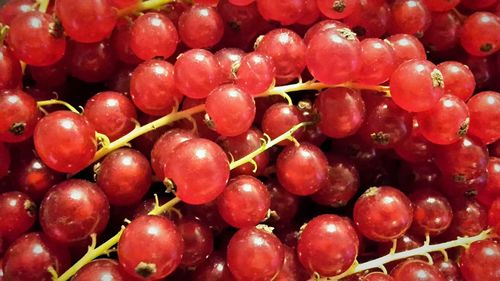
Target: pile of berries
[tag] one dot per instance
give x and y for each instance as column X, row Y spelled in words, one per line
column 250, row 140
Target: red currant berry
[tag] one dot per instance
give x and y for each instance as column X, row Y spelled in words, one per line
column 244, row 202
column 150, row 248
column 328, row 245
column 73, row 210
column 266, row 258
column 18, row 117
column 65, row 141
column 383, row 213
column 162, row 44
column 199, row 169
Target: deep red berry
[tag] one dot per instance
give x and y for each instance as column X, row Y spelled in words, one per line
column 35, row 38
column 328, row 245
column 383, row 213
column 153, row 35
column 150, row 248
column 73, row 210
column 265, row 261
column 302, row 170
column 244, row 202
column 111, row 113
column 19, row 213
column 86, row 21
column 18, row 117
column 65, row 141
column 199, row 169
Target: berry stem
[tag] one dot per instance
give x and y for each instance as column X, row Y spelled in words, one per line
column 93, row 252
column 421, row 251
column 144, row 6
column 43, row 5
column 54, row 101
column 266, row 145
column 163, row 121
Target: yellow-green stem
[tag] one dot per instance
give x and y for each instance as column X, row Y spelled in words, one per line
column 43, row 5
column 266, row 145
column 163, row 121
column 420, row 251
column 54, row 101
column 144, row 6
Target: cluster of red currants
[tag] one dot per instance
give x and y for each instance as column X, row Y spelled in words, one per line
column 297, row 139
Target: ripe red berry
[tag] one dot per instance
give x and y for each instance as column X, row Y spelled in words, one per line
column 151, row 247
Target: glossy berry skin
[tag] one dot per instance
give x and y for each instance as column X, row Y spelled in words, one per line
column 228, row 58
column 481, row 261
column 153, row 35
column 197, row 73
column 124, row 176
column 91, row 62
column 465, row 159
column 416, row 85
column 198, row 241
column 287, row 50
column 13, row 8
column 286, row 12
column 494, row 216
column 231, row 109
column 153, row 87
column 377, row 61
column 254, row 255
column 328, row 245
column 386, row 124
column 111, row 113
column 18, row 213
column 30, row 256
column 485, row 116
column 302, row 170
column 292, row 270
column 432, row 212
column 416, row 270
column 341, row 112
column 447, row 122
column 479, row 36
column 150, row 248
column 100, row 270
column 256, row 73
column 86, row 21
column 10, row 70
column 321, row 26
column 201, row 26
column 32, row 40
column 458, row 79
column 279, row 118
column 334, row 49
column 244, row 202
column 200, row 170
column 4, row 160
column 383, row 213
column 342, row 185
column 443, row 33
column 164, row 147
column 18, row 117
column 213, row 269
column 338, row 9
column 242, row 145
column 65, row 141
column 469, row 218
column 121, row 43
column 32, row 177
column 73, row 210
column 410, row 17
column 370, row 20
column 415, row 148
column 406, row 47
